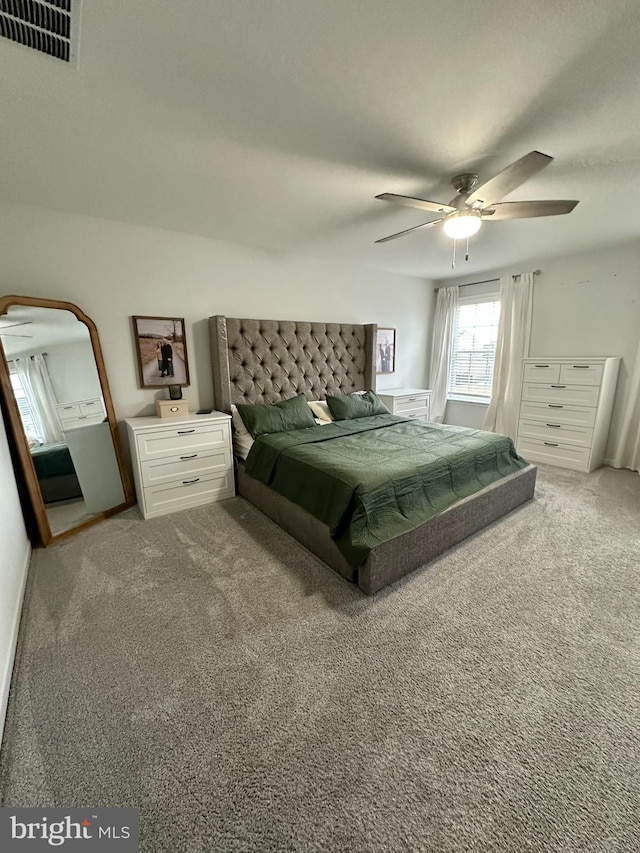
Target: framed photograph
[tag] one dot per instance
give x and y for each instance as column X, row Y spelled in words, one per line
column 386, row 351
column 161, row 348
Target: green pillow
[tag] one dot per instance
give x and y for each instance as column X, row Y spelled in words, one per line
column 348, row 406
column 264, row 418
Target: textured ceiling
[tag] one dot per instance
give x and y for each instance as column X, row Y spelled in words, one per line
column 274, row 124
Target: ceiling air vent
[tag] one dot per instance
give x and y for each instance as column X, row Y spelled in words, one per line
column 48, row 26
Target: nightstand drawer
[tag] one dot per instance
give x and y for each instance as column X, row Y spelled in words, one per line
column 185, row 467
column 407, row 404
column 182, row 440
column 194, row 491
column 422, row 415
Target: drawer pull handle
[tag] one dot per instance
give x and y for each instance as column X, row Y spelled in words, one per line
column 66, row 408
column 541, row 365
column 556, row 406
column 558, row 386
column 185, row 431
column 412, row 399
column 550, row 444
column 194, row 455
column 190, row 482
column 582, row 366
column 555, row 426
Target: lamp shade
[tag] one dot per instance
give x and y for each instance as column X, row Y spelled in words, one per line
column 463, row 224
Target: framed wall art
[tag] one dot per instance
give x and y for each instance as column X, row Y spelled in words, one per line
column 161, row 348
column 386, row 351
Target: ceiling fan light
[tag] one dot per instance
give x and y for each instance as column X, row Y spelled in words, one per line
column 462, row 225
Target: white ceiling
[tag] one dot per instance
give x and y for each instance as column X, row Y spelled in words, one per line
column 274, row 123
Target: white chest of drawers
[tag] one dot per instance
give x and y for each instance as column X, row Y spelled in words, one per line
column 179, row 463
column 565, row 410
column 407, row 402
column 81, row 413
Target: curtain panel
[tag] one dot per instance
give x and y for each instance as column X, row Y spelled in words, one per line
column 446, row 307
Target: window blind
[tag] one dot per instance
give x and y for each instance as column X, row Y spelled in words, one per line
column 473, row 349
column 26, row 414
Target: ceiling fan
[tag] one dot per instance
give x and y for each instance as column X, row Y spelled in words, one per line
column 464, row 214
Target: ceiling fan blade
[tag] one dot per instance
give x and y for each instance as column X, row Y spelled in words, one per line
column 527, row 209
column 11, row 325
column 508, row 179
column 409, row 230
column 419, row 203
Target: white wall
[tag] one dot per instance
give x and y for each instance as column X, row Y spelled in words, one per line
column 113, row 271
column 14, row 559
column 587, row 304
column 73, row 371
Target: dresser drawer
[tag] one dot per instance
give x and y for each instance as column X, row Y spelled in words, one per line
column 543, row 371
column 556, row 433
column 581, row 373
column 157, row 471
column 182, row 440
column 69, row 412
column 580, row 416
column 565, row 455
column 579, row 395
column 417, row 416
column 91, row 408
column 196, row 491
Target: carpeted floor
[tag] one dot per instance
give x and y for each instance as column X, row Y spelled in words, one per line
column 206, row 669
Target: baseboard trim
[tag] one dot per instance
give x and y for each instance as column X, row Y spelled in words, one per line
column 5, row 676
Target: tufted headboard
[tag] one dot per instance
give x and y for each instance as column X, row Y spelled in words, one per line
column 265, row 361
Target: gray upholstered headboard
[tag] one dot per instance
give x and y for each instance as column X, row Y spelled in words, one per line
column 265, row 361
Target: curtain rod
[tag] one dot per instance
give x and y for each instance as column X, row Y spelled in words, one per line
column 10, row 360
column 487, row 280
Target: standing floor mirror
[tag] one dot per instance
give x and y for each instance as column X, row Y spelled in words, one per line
column 58, row 408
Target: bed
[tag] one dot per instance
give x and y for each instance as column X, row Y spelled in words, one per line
column 55, row 472
column 267, row 361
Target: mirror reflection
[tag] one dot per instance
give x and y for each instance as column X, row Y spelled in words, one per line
column 57, row 389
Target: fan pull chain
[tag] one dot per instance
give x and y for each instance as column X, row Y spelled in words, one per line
column 453, row 259
column 466, row 256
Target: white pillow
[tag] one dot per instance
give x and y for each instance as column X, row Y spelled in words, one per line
column 320, row 410
column 238, row 424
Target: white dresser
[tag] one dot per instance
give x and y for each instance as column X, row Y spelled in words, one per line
column 80, row 413
column 565, row 410
column 180, row 463
column 408, row 402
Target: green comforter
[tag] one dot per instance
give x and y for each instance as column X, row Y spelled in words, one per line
column 372, row 479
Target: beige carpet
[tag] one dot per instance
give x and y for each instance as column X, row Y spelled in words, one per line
column 206, row 669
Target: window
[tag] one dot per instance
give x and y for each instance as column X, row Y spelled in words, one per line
column 475, row 333
column 29, row 421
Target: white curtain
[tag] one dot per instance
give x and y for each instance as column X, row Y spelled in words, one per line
column 628, row 452
column 514, row 332
column 446, row 306
column 38, row 390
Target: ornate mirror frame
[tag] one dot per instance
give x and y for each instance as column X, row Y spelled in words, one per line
column 21, row 446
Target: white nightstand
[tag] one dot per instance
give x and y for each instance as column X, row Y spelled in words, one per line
column 408, row 402
column 180, row 463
